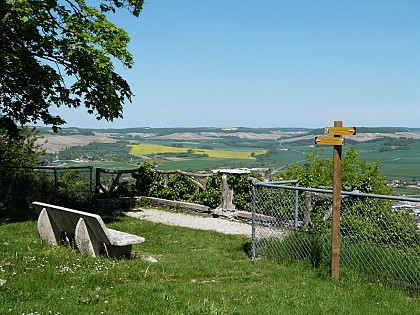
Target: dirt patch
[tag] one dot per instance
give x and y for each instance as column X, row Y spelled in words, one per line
column 186, row 136
column 56, row 143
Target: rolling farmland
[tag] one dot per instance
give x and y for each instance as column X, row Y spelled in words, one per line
column 195, row 149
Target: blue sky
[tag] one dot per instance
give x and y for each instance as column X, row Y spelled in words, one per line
column 267, row 63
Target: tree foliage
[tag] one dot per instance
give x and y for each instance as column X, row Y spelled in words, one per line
column 24, row 150
column 60, row 53
column 317, row 171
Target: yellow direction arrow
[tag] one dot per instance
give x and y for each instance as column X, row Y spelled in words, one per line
column 329, row 140
column 341, row 131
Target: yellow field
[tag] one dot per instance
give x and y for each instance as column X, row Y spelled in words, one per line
column 146, row 149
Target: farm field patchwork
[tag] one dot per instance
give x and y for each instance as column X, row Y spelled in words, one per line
column 186, row 149
column 147, row 149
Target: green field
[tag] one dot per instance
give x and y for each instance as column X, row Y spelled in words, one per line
column 203, row 164
column 104, row 164
column 407, row 191
column 152, row 149
column 196, row 272
column 398, row 164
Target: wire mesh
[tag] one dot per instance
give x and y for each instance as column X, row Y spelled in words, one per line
column 379, row 235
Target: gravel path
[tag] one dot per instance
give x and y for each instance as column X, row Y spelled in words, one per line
column 192, row 221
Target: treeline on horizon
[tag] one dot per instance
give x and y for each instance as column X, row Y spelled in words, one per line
column 167, row 131
column 371, row 130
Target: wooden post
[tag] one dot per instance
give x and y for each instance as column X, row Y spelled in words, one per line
column 98, row 181
column 335, row 256
column 307, row 213
column 55, row 186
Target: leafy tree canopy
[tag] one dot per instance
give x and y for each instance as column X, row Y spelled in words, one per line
column 60, row 53
column 317, row 171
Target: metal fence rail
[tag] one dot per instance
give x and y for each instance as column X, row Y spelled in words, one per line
column 57, row 185
column 380, row 235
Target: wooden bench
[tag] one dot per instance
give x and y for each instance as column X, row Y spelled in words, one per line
column 58, row 225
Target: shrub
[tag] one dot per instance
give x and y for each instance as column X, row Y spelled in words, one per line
column 74, row 191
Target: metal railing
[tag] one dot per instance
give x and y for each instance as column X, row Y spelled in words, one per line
column 379, row 235
column 55, row 185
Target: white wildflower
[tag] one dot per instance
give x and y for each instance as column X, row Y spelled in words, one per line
column 150, row 259
column 65, row 269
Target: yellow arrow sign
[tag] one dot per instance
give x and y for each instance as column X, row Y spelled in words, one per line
column 341, row 131
column 329, row 140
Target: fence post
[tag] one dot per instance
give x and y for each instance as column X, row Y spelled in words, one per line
column 254, row 222
column 296, row 206
column 90, row 181
column 55, row 186
column 98, row 181
column 335, row 252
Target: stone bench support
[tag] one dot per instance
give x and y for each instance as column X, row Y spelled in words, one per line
column 58, row 225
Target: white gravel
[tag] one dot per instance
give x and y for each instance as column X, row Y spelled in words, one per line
column 192, row 221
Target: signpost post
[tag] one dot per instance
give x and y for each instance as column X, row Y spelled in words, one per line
column 335, row 254
column 337, row 140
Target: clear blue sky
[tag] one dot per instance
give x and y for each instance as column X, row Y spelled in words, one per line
column 271, row 63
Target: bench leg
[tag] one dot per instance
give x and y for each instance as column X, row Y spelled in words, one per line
column 47, row 229
column 86, row 241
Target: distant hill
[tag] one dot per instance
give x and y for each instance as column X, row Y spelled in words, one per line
column 370, row 130
column 168, row 131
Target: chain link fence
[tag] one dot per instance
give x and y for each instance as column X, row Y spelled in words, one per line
column 379, row 235
column 70, row 186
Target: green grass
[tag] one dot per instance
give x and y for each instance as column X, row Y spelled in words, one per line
column 198, row 272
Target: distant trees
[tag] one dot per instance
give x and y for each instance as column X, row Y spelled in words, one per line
column 317, row 170
column 117, row 152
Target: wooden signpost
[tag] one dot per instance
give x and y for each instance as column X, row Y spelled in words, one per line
column 329, row 140
column 340, row 131
column 337, row 140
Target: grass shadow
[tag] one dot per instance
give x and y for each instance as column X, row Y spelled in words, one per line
column 247, row 248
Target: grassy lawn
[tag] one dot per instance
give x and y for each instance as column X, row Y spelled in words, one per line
column 197, row 272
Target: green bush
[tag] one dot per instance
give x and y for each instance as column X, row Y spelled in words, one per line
column 212, row 196
column 178, row 187
column 74, row 191
column 22, row 186
column 144, row 179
